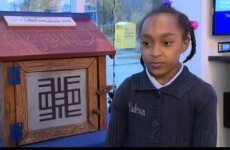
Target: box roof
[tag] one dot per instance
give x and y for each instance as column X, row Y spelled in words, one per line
column 33, row 43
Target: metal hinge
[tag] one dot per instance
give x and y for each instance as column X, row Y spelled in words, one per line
column 16, row 133
column 14, row 76
column 104, row 90
column 96, row 111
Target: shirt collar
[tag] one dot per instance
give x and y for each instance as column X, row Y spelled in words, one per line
column 177, row 88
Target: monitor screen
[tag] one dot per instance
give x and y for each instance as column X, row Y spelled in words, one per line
column 221, row 17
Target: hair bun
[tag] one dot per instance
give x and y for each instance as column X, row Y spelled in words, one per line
column 167, row 3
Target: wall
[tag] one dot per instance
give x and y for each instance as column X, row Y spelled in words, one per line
column 185, row 6
column 214, row 72
column 217, row 73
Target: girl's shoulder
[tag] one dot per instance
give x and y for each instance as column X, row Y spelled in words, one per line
column 203, row 90
column 196, row 87
column 196, row 82
column 137, row 77
column 138, row 81
column 202, row 85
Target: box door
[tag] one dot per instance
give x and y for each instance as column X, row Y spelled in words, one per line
column 57, row 98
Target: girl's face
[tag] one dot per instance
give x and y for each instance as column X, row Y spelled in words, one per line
column 161, row 46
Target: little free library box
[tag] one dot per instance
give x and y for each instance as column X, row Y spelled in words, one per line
column 52, row 76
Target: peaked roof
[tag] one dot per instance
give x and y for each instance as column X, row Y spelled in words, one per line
column 33, row 43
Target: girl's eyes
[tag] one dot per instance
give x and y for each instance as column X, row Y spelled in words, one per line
column 146, row 43
column 167, row 43
column 150, row 44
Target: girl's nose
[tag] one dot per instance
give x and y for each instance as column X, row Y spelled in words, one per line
column 155, row 50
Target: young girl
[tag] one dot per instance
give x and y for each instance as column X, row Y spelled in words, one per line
column 165, row 105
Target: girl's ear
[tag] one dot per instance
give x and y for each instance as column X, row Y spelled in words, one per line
column 185, row 45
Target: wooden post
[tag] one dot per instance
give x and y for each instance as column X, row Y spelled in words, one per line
column 102, row 99
column 9, row 104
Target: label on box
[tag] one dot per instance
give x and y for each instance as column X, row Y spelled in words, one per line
column 39, row 21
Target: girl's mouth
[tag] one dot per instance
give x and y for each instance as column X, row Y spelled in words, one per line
column 156, row 64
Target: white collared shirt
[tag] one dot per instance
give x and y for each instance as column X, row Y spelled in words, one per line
column 157, row 84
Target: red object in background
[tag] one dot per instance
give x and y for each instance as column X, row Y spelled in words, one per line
column 36, row 43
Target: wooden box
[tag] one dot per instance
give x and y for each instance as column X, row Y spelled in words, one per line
column 52, row 80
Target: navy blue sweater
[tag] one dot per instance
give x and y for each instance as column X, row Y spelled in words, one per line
column 182, row 114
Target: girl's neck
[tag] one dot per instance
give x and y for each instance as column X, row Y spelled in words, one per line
column 162, row 80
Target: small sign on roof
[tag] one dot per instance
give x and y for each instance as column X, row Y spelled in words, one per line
column 39, row 21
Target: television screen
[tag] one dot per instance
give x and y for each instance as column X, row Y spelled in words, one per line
column 221, row 17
